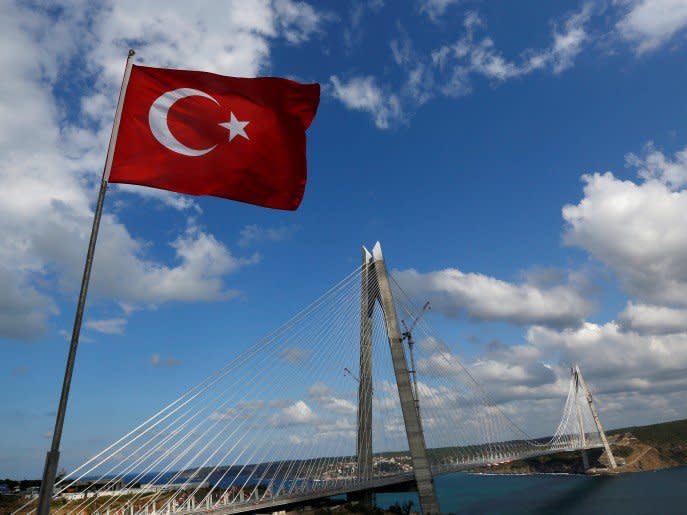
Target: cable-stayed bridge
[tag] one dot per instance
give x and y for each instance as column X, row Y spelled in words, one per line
column 336, row 401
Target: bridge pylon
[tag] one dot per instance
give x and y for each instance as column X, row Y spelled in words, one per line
column 375, row 274
column 364, row 441
column 582, row 384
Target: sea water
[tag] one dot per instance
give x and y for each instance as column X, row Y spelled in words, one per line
column 659, row 492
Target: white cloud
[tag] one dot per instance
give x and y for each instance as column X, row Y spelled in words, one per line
column 568, row 43
column 298, row 20
column 655, row 165
column 636, row 230
column 319, row 390
column 434, row 9
column 254, row 233
column 648, row 24
column 363, row 94
column 23, row 310
column 294, row 355
column 648, row 319
column 296, row 414
column 353, row 29
column 618, row 361
column 626, row 371
column 420, row 85
column 471, row 55
column 431, row 344
column 167, row 198
column 225, row 414
column 439, row 363
column 481, row 297
column 325, row 399
column 107, row 326
column 339, row 425
column 341, row 406
column 450, row 68
column 202, row 262
column 159, row 361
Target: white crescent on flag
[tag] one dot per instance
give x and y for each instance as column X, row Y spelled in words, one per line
column 157, row 119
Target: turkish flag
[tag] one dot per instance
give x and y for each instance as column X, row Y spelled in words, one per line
column 206, row 134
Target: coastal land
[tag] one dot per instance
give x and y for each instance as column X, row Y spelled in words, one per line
column 636, row 449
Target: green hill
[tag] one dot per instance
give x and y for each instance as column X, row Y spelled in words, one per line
column 664, row 433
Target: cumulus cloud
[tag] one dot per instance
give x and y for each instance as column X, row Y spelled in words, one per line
column 439, row 363
column 455, row 293
column 635, row 228
column 341, row 406
column 618, row 361
column 319, row 390
column 528, row 381
column 326, row 400
column 649, row 24
column 201, row 263
column 326, row 433
column 295, row 414
column 363, row 94
column 648, row 319
column 655, row 165
column 108, row 325
column 431, row 344
column 23, row 310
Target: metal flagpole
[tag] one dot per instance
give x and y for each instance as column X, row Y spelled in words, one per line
column 53, row 456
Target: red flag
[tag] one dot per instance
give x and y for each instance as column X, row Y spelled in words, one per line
column 206, row 134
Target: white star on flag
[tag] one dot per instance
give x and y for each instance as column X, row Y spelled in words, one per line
column 235, row 127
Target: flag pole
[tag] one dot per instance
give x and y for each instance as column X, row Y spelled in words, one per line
column 53, row 456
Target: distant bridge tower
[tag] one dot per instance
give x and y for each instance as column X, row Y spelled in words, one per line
column 582, row 385
column 375, row 274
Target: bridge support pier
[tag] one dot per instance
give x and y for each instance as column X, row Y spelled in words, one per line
column 585, row 460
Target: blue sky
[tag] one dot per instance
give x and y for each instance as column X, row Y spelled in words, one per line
column 522, row 163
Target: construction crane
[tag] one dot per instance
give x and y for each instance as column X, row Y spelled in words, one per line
column 407, row 335
column 348, row 372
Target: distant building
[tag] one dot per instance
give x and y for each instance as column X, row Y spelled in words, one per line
column 152, row 487
column 31, row 492
column 89, row 486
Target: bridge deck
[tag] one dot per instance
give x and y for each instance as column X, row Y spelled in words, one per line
column 348, row 486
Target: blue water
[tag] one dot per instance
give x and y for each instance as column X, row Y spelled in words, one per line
column 660, row 492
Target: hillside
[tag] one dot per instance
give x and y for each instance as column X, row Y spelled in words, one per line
column 636, row 449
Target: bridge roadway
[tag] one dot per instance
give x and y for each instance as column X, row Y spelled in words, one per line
column 346, row 486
